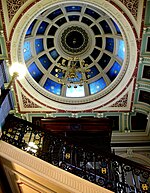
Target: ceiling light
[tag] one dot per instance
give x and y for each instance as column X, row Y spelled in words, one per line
column 72, row 72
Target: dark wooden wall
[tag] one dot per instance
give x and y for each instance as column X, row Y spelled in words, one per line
column 94, row 132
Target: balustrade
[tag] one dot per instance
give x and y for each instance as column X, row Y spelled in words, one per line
column 105, row 169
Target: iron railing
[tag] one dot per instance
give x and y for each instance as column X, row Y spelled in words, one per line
column 105, row 169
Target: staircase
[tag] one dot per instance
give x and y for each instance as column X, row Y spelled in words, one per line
column 100, row 167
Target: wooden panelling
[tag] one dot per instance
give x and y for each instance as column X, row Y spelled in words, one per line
column 82, row 131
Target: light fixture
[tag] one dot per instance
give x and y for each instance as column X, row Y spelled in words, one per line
column 13, row 78
column 6, row 91
column 72, row 72
column 18, row 68
column 18, row 71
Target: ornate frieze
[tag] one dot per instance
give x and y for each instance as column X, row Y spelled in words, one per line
column 132, row 6
column 122, row 102
column 27, row 103
column 13, row 6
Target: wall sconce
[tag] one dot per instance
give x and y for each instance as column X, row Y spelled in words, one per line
column 16, row 71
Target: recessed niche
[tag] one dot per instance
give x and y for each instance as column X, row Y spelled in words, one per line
column 138, row 122
column 148, row 45
column 144, row 96
column 146, row 72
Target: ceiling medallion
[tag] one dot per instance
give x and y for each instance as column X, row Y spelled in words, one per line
column 74, row 40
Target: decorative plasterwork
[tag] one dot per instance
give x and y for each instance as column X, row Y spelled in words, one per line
column 121, row 102
column 27, row 103
column 132, row 6
column 87, row 103
column 13, row 10
column 134, row 11
column 61, row 39
column 13, row 6
column 49, row 173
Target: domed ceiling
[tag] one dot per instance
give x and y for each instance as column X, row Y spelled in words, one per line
column 75, row 54
column 77, row 31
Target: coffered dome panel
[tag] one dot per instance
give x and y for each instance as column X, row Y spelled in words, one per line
column 74, row 30
column 93, row 35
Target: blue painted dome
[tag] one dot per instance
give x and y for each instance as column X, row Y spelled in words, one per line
column 81, row 31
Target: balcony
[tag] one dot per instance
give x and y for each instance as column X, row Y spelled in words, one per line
column 67, row 155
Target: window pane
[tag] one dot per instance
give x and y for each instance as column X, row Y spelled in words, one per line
column 75, row 92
